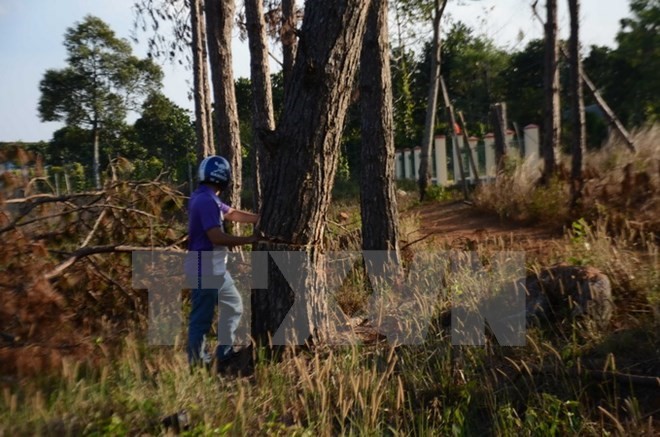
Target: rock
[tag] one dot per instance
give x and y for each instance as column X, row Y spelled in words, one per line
column 177, row 422
column 583, row 291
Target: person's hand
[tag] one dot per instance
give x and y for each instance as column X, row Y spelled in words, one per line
column 258, row 236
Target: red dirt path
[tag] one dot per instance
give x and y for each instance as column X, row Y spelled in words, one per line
column 461, row 226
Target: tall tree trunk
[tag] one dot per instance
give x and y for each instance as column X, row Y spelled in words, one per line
column 289, row 38
column 219, row 23
column 451, row 133
column 96, row 161
column 404, row 109
column 552, row 114
column 578, row 143
column 499, row 120
column 262, row 99
column 377, row 194
column 432, row 103
column 305, row 151
column 201, row 83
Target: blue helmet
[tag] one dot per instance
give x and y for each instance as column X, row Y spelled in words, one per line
column 215, row 169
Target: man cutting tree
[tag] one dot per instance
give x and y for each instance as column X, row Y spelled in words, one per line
column 206, row 263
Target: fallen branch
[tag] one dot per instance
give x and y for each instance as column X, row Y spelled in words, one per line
column 15, row 223
column 97, row 270
column 93, row 250
column 39, row 199
column 597, row 374
column 91, row 233
column 407, row 245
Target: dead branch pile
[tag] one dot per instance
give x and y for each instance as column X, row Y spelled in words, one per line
column 65, row 266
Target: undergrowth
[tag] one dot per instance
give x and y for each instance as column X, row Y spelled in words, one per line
column 95, row 374
column 619, row 185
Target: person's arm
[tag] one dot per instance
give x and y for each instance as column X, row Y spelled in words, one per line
column 219, row 238
column 236, row 215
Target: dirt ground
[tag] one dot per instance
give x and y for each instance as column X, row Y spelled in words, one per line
column 458, row 225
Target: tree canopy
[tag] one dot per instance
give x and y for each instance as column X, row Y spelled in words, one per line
column 628, row 74
column 101, row 83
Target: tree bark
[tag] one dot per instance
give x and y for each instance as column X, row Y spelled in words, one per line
column 377, row 194
column 262, row 98
column 305, row 151
column 499, row 120
column 219, row 22
column 288, row 38
column 96, row 161
column 405, row 120
column 579, row 132
column 602, row 104
column 451, row 133
column 552, row 114
column 466, row 140
column 432, row 103
column 201, row 84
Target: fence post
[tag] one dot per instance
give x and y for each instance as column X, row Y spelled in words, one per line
column 441, row 160
column 57, row 183
column 407, row 164
column 466, row 141
column 491, row 164
column 417, row 153
column 398, row 167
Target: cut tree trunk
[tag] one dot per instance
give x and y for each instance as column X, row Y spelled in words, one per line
column 305, row 151
column 377, row 193
column 219, row 23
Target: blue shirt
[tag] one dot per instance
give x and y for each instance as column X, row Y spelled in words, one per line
column 205, row 211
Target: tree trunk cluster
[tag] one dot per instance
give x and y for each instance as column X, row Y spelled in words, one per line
column 295, row 162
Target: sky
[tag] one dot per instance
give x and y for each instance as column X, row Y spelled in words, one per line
column 32, row 35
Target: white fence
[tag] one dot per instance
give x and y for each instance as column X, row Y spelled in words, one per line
column 445, row 160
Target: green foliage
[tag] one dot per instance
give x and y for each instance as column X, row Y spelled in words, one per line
column 343, row 170
column 70, row 144
column 474, row 69
column 524, row 83
column 578, row 236
column 550, row 416
column 76, row 173
column 437, row 193
column 102, row 79
column 406, row 132
column 628, row 75
column 245, row 104
column 165, row 131
column 100, row 84
column 148, row 169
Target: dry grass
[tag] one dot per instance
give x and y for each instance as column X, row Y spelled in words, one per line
column 619, row 185
column 563, row 381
